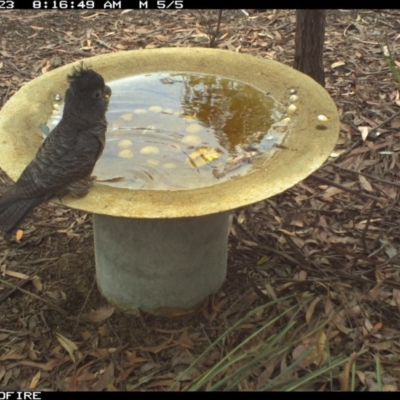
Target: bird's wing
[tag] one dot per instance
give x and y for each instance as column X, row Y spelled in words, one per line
column 64, row 157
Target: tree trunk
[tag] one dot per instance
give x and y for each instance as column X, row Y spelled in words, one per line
column 309, row 43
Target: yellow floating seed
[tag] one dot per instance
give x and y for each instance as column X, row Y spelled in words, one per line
column 191, row 139
column 125, row 143
column 152, row 161
column 150, row 150
column 127, row 117
column 189, row 118
column 291, row 109
column 322, row 118
column 285, row 121
column 168, row 110
column 293, row 98
column 193, row 128
column 140, row 111
column 169, row 165
column 125, row 153
column 155, row 108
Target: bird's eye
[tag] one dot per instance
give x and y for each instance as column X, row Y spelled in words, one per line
column 97, row 94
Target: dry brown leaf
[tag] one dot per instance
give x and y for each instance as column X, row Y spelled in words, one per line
column 7, row 377
column 133, row 358
column 182, row 357
column 184, row 341
column 124, row 375
column 87, row 377
column 99, row 315
column 173, row 312
column 311, row 308
column 329, row 308
column 106, row 378
column 318, row 355
column 390, row 388
column 68, row 345
column 330, row 192
column 16, row 274
column 338, row 64
column 386, row 345
column 368, row 325
column 31, row 352
column 104, row 330
column 378, row 326
column 92, row 16
column 287, row 232
column 11, row 355
column 75, row 377
column 344, row 377
column 321, row 354
column 301, row 275
column 2, row 371
column 212, row 357
column 45, row 367
column 379, row 276
column 365, row 183
column 157, row 349
column 163, row 38
column 364, row 132
column 250, row 243
column 241, row 217
column 298, row 351
column 165, row 382
column 37, row 283
column 35, row 380
column 343, row 328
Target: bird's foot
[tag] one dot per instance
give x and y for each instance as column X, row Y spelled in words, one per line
column 80, row 188
column 92, row 180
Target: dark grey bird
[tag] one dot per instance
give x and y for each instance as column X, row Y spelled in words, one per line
column 66, row 158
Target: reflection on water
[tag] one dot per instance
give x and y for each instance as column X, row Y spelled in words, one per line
column 174, row 131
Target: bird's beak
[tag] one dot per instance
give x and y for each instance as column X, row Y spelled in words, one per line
column 107, row 93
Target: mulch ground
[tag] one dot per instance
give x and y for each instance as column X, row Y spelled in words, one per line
column 332, row 240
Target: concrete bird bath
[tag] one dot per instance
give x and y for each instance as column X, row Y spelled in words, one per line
column 162, row 249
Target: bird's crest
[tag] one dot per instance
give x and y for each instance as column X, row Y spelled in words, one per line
column 78, row 72
column 83, row 78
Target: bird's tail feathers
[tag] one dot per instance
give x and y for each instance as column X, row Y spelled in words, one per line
column 13, row 212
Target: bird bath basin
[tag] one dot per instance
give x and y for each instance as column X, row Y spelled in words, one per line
column 162, row 248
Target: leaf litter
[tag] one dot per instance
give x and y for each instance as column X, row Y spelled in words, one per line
column 331, row 242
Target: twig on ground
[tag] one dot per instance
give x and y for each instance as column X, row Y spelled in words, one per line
column 346, row 189
column 369, row 176
column 364, row 234
column 375, row 128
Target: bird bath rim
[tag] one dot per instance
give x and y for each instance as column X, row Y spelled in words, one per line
column 308, row 142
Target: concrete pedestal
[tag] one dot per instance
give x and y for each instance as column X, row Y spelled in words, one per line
column 154, row 264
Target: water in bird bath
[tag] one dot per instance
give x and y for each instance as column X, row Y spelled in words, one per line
column 175, row 131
